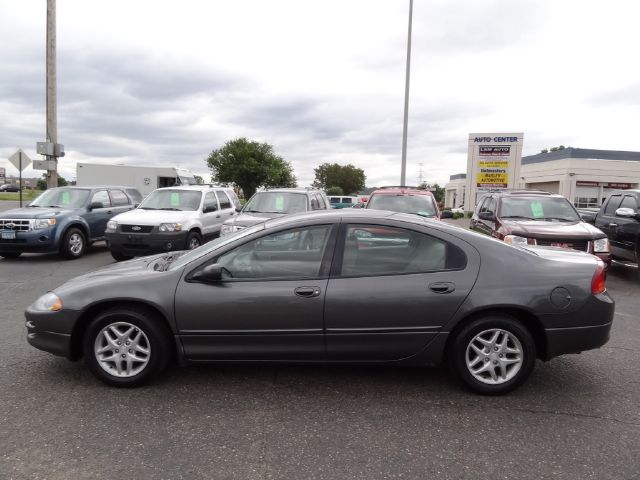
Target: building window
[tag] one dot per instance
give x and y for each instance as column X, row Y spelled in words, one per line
column 586, row 202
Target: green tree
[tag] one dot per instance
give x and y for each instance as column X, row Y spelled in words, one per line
column 335, row 191
column 249, row 165
column 42, row 183
column 554, row 149
column 347, row 177
column 438, row 192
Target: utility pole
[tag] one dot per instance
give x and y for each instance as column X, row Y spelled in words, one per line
column 403, row 169
column 420, row 177
column 52, row 115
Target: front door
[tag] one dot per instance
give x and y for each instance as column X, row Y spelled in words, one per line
column 269, row 304
column 392, row 291
column 98, row 217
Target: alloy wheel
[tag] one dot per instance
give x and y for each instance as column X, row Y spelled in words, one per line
column 494, row 356
column 122, row 349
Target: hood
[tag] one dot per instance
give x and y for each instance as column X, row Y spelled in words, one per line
column 551, row 229
column 35, row 212
column 253, row 218
column 139, row 216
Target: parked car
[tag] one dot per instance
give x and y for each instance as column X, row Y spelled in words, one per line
column 619, row 219
column 405, row 200
column 341, row 286
column 342, row 201
column 532, row 217
column 9, row 187
column 173, row 218
column 275, row 203
column 65, row 220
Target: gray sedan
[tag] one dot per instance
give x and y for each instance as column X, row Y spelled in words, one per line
column 347, row 286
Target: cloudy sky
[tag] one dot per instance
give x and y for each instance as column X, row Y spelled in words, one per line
column 165, row 82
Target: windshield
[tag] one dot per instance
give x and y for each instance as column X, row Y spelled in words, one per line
column 62, row 197
column 179, row 200
column 277, row 202
column 538, row 208
column 418, row 204
column 212, row 245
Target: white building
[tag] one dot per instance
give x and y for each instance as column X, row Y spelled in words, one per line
column 584, row 176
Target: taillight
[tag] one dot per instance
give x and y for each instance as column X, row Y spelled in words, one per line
column 598, row 282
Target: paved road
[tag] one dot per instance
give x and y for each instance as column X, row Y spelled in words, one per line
column 578, row 417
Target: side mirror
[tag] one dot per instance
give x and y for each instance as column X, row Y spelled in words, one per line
column 135, row 205
column 238, row 209
column 95, row 205
column 209, row 274
column 210, row 208
column 446, row 214
column 626, row 213
column 489, row 216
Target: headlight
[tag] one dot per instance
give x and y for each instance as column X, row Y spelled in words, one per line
column 112, row 226
column 601, row 245
column 227, row 229
column 518, row 241
column 40, row 223
column 49, row 302
column 170, row 227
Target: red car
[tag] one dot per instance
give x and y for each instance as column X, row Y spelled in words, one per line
column 405, row 200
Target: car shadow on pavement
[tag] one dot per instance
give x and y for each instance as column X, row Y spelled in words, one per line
column 98, row 248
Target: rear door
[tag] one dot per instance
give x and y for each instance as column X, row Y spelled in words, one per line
column 120, row 202
column 227, row 208
column 392, row 288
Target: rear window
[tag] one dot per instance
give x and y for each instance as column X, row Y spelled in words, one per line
column 118, row 198
column 418, row 204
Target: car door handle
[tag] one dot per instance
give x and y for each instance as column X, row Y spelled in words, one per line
column 442, row 287
column 613, row 225
column 218, row 216
column 307, row 292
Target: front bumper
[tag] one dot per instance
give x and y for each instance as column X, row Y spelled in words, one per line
column 51, row 331
column 35, row 241
column 136, row 244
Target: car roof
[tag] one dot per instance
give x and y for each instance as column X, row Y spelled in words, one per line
column 401, row 190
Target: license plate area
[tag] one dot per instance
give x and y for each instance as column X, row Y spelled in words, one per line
column 8, row 235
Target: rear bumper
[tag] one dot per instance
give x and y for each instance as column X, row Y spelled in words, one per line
column 576, row 339
column 136, row 244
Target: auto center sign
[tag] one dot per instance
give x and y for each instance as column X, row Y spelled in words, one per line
column 493, row 163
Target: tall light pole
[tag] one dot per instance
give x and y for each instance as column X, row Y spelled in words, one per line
column 403, row 169
column 52, row 116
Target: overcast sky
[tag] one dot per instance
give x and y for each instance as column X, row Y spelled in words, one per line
column 165, row 82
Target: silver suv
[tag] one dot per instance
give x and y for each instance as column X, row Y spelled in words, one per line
column 172, row 218
column 273, row 203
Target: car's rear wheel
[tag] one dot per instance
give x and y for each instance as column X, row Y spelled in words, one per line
column 120, row 257
column 74, row 244
column 493, row 355
column 194, row 240
column 127, row 347
column 10, row 254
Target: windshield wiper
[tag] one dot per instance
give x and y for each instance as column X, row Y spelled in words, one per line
column 562, row 219
column 423, row 214
column 170, row 208
column 520, row 216
column 147, row 208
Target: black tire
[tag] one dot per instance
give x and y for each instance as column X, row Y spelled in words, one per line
column 486, row 327
column 10, row 254
column 192, row 239
column 74, row 244
column 119, row 256
column 157, row 338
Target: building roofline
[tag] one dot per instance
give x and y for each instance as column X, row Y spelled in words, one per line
column 584, row 153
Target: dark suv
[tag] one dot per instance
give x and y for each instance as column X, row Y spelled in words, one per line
column 619, row 218
column 65, row 220
column 531, row 217
column 274, row 203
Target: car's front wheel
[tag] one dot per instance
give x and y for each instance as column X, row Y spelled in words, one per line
column 194, row 240
column 127, row 347
column 73, row 244
column 493, row 355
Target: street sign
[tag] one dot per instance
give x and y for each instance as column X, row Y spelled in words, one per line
column 44, row 165
column 20, row 160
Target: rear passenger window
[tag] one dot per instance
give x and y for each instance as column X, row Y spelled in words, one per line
column 223, row 199
column 612, row 205
column 372, row 250
column 118, row 198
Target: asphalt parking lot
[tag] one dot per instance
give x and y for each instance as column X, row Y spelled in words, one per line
column 578, row 416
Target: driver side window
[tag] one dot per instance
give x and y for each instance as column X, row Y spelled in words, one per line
column 102, row 197
column 292, row 254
